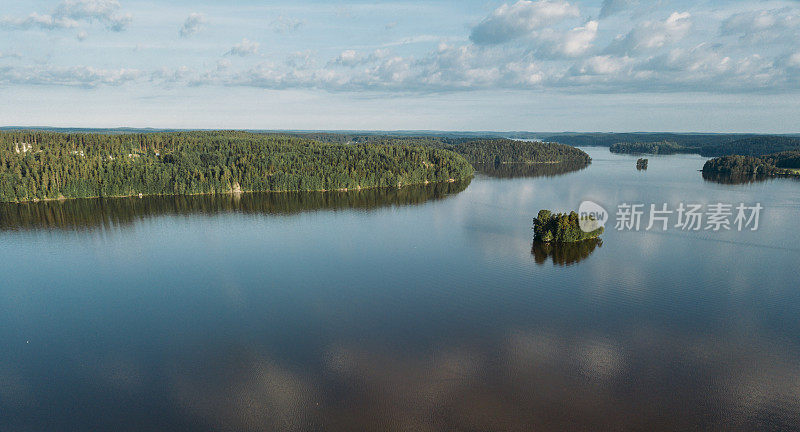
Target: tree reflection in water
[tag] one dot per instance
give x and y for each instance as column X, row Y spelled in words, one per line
column 564, row 254
column 734, row 179
column 515, row 170
column 107, row 212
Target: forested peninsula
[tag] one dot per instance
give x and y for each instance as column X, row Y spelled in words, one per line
column 505, row 151
column 38, row 165
column 783, row 163
column 478, row 151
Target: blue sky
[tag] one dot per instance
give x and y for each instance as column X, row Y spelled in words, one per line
column 544, row 65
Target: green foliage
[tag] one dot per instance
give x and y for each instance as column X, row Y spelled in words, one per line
column 753, row 146
column 46, row 165
column 740, row 165
column 787, row 159
column 500, row 151
column 478, row 151
column 660, row 147
column 561, row 228
column 641, row 164
column 742, row 169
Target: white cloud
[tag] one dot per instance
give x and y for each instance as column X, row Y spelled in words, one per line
column 417, row 39
column 223, row 65
column 764, row 25
column 611, row 7
column 88, row 9
column 69, row 14
column 172, row 76
column 509, row 22
column 602, row 65
column 5, row 54
column 244, row 48
column 78, row 76
column 302, row 60
column 703, row 68
column 352, row 58
column 700, row 60
column 34, row 20
column 573, row 43
column 348, row 58
column 448, row 68
column 193, row 24
column 105, row 11
column 523, row 75
column 549, row 48
column 650, row 35
column 794, row 60
column 284, row 24
column 120, row 23
column 469, row 67
column 579, row 39
column 537, row 24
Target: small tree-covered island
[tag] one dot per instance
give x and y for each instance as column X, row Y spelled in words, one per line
column 549, row 227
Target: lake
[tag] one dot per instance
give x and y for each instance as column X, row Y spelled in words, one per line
column 418, row 309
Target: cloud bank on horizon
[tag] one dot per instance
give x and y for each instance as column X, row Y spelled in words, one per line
column 405, row 48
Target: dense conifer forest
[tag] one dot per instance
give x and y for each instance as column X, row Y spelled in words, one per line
column 38, row 165
column 45, row 165
column 738, row 165
column 783, row 163
column 659, row 147
column 787, row 159
column 502, row 151
column 753, row 146
column 478, row 151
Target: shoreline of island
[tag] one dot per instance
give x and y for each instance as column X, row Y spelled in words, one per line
column 239, row 192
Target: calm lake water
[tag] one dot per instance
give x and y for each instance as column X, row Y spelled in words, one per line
column 420, row 309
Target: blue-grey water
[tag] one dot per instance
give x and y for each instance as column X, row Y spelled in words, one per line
column 421, row 310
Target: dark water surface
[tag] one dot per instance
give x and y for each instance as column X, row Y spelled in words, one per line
column 420, row 309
